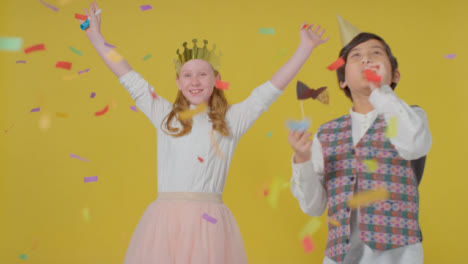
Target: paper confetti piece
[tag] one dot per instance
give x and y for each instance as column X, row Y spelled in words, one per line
column 58, row 114
column 302, row 125
column 450, row 56
column 83, row 71
column 307, row 244
column 109, row 45
column 103, row 111
column 371, row 76
column 6, row 130
column 20, row 61
column 86, row 214
column 336, row 64
column 269, row 134
column 44, row 122
column 114, row 56
column 311, row 227
column 367, row 197
column 334, row 222
column 146, row 7
column 275, row 190
column 34, row 48
column 23, row 256
column 215, row 145
column 187, row 114
column 64, row 65
column 93, row 94
column 35, row 110
column 266, row 31
column 49, row 6
column 283, row 52
column 153, row 94
column 392, row 127
column 70, row 77
column 134, row 108
column 10, row 43
column 371, row 164
column 35, row 243
column 81, row 17
column 265, row 192
column 304, row 26
column 76, row 51
column 78, row 157
column 222, row 85
column 113, row 104
column 147, row 57
column 200, row 159
column 209, row 218
column 90, row 179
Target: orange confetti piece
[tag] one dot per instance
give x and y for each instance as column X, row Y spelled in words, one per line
column 214, row 144
column 200, row 159
column 153, row 94
column 308, row 245
column 64, row 65
column 371, row 76
column 334, row 222
column 187, row 114
column 222, row 85
column 103, row 111
column 304, row 26
column 337, row 64
column 368, row 197
column 34, row 48
column 81, row 17
column 58, row 114
column 114, row 56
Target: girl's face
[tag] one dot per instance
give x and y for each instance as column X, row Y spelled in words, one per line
column 196, row 81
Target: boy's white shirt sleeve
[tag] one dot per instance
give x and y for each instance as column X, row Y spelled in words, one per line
column 308, row 182
column 413, row 138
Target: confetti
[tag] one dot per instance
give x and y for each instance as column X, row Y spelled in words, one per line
column 266, row 31
column 147, row 57
column 76, row 51
column 214, row 144
column 307, row 244
column 146, row 7
column 81, row 17
column 113, row 104
column 371, row 164
column 86, row 214
column 114, row 56
column 58, row 114
column 269, row 134
column 334, row 222
column 20, row 61
column 371, row 76
column 134, row 108
column 6, row 130
column 10, row 43
column 187, row 114
column 337, row 64
column 34, row 48
column 78, row 157
column 64, row 65
column 222, row 85
column 367, row 197
column 49, row 6
column 302, row 125
column 83, row 71
column 304, row 26
column 311, row 227
column 90, row 179
column 283, row 52
column 69, row 77
column 110, row 45
column 103, row 111
column 450, row 56
column 209, row 218
column 200, row 159
column 44, row 122
column 392, row 127
column 93, row 94
column 35, row 110
column 274, row 192
column 23, row 256
column 153, row 94
column 265, row 192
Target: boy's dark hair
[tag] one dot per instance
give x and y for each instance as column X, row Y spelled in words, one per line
column 363, row 37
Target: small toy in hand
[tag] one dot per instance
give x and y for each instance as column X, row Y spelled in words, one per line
column 85, row 25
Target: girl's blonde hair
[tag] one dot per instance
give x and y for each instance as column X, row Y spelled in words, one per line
column 218, row 108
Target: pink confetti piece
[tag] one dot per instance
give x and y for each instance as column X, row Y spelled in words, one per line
column 154, row 95
column 35, row 109
column 49, row 6
column 78, row 157
column 83, row 71
column 90, row 179
column 145, row 7
column 109, row 45
column 209, row 218
column 93, row 94
column 20, row 61
column 450, row 56
column 200, row 159
column 307, row 244
column 134, row 108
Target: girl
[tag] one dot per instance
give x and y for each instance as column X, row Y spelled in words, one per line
column 188, row 222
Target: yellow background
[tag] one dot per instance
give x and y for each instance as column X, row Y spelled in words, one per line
column 42, row 192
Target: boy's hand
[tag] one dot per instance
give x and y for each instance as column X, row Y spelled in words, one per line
column 299, row 141
column 94, row 28
column 312, row 38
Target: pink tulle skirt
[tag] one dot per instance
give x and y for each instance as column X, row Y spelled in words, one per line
column 183, row 228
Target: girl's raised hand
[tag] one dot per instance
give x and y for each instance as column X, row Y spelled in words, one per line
column 299, row 141
column 312, row 38
column 94, row 28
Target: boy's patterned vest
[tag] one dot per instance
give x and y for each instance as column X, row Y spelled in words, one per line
column 383, row 225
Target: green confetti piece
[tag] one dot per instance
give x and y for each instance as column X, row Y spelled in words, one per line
column 266, row 31
column 283, row 52
column 86, row 215
column 310, row 228
column 76, row 51
column 392, row 126
column 147, row 57
column 275, row 191
column 269, row 134
column 10, row 43
column 23, row 256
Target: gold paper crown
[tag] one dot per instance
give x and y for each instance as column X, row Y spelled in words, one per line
column 197, row 53
column 347, row 30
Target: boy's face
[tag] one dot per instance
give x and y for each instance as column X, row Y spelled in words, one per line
column 370, row 54
column 196, row 81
